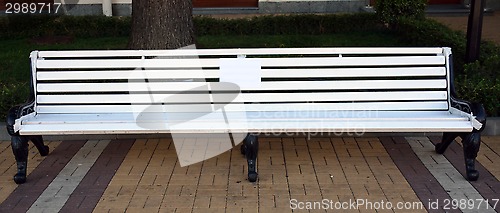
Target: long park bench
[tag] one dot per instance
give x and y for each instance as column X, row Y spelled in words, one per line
column 274, row 90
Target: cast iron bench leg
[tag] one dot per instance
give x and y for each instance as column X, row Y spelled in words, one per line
column 38, row 142
column 448, row 137
column 20, row 149
column 471, row 143
column 250, row 148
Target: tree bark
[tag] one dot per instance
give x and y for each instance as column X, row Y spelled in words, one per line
column 161, row 24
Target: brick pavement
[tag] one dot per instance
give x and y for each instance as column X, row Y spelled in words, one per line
column 491, row 25
column 144, row 175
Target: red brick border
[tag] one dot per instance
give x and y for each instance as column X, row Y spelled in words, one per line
column 421, row 180
column 21, row 199
column 89, row 191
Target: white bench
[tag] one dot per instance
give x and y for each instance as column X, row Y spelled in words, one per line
column 262, row 91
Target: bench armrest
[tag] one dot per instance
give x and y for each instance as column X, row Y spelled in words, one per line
column 28, row 107
column 17, row 112
column 476, row 109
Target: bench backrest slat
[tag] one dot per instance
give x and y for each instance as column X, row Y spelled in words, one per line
column 203, row 97
column 332, row 78
column 61, row 75
column 269, row 85
column 266, row 62
column 224, row 52
column 434, row 105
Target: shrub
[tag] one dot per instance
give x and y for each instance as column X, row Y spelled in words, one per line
column 287, row 25
column 430, row 33
column 478, row 81
column 481, row 83
column 389, row 11
column 24, row 26
column 11, row 94
column 28, row 26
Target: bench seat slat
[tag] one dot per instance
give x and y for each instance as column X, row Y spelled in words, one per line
column 271, row 85
column 251, row 97
column 257, row 51
column 383, row 121
column 257, row 127
column 265, row 62
column 266, row 73
column 394, row 106
column 269, row 116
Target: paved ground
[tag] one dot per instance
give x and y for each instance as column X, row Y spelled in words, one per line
column 491, row 25
column 143, row 175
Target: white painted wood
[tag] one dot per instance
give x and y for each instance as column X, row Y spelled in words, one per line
column 276, row 116
column 256, row 127
column 284, row 106
column 265, row 62
column 126, row 74
column 360, row 106
column 33, row 59
column 271, row 85
column 266, row 73
column 256, row 51
column 354, row 72
column 245, row 97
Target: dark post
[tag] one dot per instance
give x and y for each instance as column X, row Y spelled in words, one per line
column 474, row 29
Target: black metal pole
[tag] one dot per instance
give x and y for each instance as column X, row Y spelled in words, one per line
column 474, row 28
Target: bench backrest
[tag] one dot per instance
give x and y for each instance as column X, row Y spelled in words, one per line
column 292, row 78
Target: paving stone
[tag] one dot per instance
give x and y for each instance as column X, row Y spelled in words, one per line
column 149, row 178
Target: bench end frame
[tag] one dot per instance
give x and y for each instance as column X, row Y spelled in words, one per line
column 19, row 143
column 471, row 141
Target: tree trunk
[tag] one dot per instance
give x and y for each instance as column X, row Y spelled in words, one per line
column 161, row 24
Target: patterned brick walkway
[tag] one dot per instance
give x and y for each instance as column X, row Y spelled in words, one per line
column 143, row 175
column 491, row 25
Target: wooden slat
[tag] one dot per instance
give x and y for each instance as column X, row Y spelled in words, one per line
column 256, row 51
column 257, row 97
column 254, row 127
column 269, row 62
column 266, row 73
column 354, row 72
column 366, row 111
column 270, row 116
column 394, row 106
column 272, row 85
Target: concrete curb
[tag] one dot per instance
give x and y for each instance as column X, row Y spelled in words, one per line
column 492, row 129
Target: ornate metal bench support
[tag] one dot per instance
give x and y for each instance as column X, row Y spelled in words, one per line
column 446, row 140
column 470, row 141
column 20, row 149
column 19, row 143
column 250, row 148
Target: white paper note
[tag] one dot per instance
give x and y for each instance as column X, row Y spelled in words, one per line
column 245, row 72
